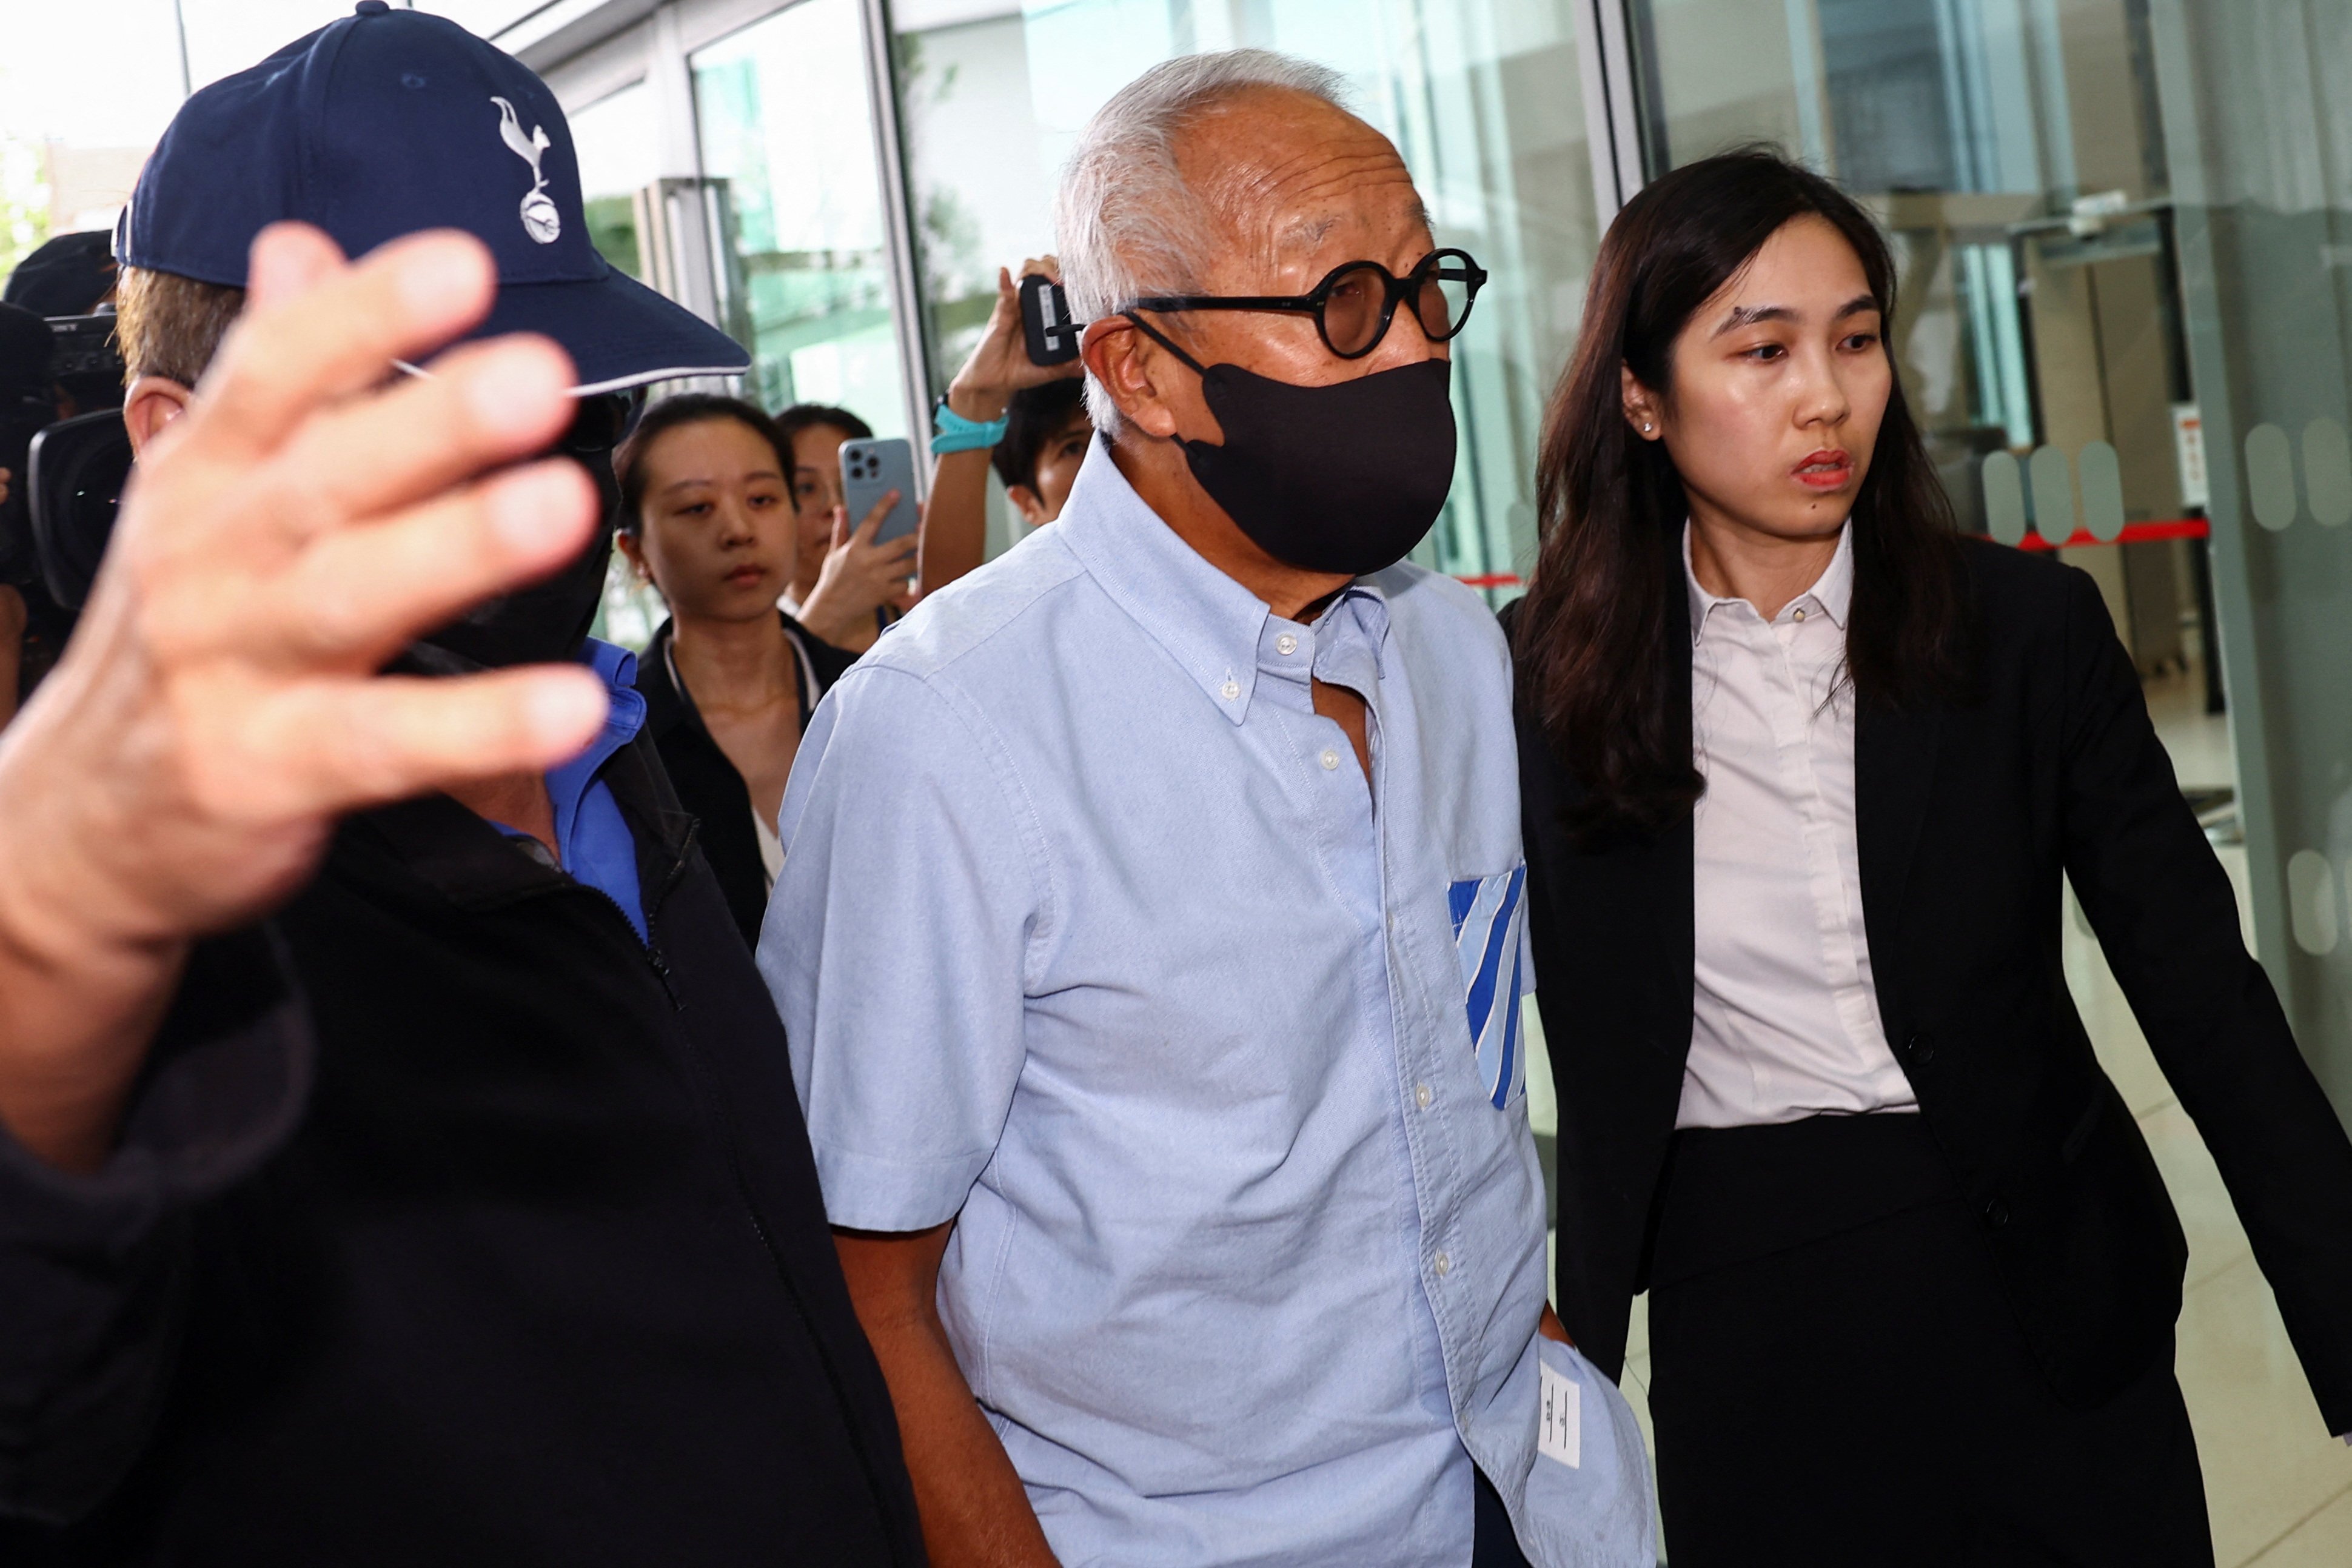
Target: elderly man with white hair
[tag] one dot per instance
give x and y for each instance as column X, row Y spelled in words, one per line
column 1148, row 935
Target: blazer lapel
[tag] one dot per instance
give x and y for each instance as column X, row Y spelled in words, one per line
column 1894, row 769
column 1679, row 845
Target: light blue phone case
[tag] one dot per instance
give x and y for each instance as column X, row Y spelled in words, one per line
column 871, row 469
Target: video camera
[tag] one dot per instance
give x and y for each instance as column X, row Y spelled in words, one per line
column 65, row 472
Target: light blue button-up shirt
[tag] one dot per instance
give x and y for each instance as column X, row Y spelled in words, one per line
column 1091, row 933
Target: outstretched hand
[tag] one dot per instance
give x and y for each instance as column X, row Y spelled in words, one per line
column 219, row 707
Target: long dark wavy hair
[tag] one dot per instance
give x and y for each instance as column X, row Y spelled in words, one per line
column 1591, row 637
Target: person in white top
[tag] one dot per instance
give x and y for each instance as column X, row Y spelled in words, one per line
column 1803, row 775
column 1784, row 1022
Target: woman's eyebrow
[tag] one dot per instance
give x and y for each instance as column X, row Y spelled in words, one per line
column 693, row 480
column 1750, row 315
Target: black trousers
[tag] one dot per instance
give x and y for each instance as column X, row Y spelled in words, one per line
column 1496, row 1545
column 1837, row 1380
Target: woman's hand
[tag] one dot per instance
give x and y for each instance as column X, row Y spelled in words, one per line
column 858, row 577
column 1000, row 366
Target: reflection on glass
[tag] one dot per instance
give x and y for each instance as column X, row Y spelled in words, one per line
column 1482, row 98
column 785, row 121
column 614, row 139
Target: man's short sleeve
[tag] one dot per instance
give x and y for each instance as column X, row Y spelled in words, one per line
column 895, row 946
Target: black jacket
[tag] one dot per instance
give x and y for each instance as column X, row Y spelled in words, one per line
column 707, row 783
column 450, row 1223
column 1966, row 817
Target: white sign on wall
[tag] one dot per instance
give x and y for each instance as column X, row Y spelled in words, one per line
column 2189, row 450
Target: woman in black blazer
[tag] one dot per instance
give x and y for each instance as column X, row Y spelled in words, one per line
column 729, row 680
column 1802, row 771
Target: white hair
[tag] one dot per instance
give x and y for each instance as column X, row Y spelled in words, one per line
column 1126, row 224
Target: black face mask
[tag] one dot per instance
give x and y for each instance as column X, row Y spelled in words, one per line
column 547, row 622
column 1344, row 479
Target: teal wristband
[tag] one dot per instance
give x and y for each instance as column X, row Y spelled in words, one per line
column 954, row 433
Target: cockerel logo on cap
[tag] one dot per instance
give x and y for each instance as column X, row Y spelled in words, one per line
column 540, row 219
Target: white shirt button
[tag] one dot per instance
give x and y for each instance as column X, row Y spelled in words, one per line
column 1232, row 691
column 1285, row 644
column 1800, row 614
column 1445, row 1264
column 1422, row 1097
column 1330, row 760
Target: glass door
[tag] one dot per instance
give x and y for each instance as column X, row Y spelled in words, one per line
column 614, row 138
column 786, row 127
column 1483, row 98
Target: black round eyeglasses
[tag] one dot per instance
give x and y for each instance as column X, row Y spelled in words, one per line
column 1356, row 301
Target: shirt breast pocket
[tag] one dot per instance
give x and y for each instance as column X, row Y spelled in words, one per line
column 1489, row 929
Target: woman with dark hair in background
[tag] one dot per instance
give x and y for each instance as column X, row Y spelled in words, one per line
column 1802, row 771
column 846, row 588
column 729, row 680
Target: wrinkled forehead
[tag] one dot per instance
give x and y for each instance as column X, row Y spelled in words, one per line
column 1301, row 186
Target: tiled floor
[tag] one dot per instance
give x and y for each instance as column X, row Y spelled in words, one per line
column 2279, row 1489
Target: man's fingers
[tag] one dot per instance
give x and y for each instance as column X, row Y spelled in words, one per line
column 338, row 332
column 358, row 595
column 483, row 403
column 332, row 746
column 285, row 260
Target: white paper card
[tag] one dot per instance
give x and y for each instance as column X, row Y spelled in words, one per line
column 1560, row 1427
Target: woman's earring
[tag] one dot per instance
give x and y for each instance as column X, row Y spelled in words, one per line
column 1645, row 427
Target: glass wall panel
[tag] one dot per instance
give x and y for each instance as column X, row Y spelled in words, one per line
column 2256, row 121
column 614, row 139
column 1483, row 98
column 785, row 122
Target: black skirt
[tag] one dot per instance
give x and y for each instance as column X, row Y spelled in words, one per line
column 1837, row 1379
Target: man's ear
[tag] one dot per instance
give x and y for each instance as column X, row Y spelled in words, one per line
column 1028, row 504
column 1124, row 360
column 153, row 402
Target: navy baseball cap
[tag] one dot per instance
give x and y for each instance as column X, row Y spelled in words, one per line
column 385, row 122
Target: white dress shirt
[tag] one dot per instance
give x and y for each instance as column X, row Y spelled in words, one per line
column 1784, row 1018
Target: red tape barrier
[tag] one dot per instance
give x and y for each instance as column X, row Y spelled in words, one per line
column 2133, row 533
